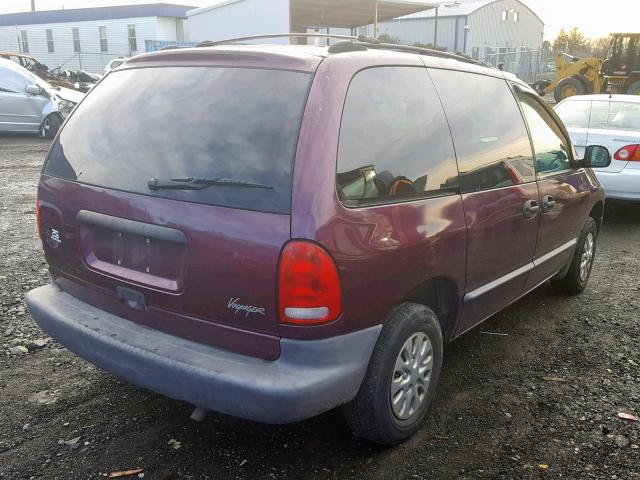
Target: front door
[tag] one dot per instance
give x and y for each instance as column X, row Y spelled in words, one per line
column 499, row 191
column 564, row 191
column 19, row 111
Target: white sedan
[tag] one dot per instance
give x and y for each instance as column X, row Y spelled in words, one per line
column 612, row 121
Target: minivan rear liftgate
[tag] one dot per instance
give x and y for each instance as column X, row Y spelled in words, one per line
column 154, row 217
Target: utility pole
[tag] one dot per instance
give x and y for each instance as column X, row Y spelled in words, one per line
column 435, row 31
column 33, row 5
column 375, row 22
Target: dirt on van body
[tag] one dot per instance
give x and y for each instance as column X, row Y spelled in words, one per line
column 533, row 393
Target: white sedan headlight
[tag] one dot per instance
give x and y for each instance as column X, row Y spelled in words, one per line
column 65, row 107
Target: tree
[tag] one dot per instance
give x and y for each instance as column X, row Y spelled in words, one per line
column 430, row 46
column 600, row 47
column 571, row 42
column 386, row 38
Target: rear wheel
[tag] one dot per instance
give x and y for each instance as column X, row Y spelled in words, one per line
column 50, row 126
column 634, row 88
column 582, row 262
column 401, row 379
column 569, row 87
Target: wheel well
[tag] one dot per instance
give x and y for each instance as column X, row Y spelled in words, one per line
column 440, row 295
column 596, row 213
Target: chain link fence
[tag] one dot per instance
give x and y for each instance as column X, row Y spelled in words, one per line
column 528, row 65
column 69, row 48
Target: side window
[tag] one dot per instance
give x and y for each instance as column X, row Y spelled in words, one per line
column 599, row 114
column 11, row 81
column 575, row 113
column 489, row 134
column 394, row 139
column 550, row 147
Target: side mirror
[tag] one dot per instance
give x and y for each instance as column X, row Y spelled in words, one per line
column 33, row 90
column 596, row 156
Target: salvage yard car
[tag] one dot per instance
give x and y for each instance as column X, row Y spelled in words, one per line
column 612, row 121
column 274, row 231
column 29, row 104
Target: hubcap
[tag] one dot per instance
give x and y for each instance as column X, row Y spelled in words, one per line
column 411, row 376
column 45, row 127
column 587, row 257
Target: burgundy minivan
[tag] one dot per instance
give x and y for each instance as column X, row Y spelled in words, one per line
column 274, row 231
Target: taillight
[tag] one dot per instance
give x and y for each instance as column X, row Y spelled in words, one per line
column 38, row 216
column 630, row 153
column 309, row 285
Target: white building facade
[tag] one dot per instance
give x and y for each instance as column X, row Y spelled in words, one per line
column 479, row 28
column 89, row 38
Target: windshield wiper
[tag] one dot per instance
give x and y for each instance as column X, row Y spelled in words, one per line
column 191, row 183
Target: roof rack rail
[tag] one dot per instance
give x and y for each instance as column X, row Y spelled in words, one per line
column 362, row 43
column 348, row 43
column 210, row 43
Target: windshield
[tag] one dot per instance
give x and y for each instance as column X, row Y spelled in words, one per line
column 15, row 77
column 188, row 122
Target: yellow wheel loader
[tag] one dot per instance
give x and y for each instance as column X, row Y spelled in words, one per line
column 618, row 73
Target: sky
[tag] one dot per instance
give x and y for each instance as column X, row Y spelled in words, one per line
column 594, row 18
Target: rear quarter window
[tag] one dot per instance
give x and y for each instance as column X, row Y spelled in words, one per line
column 394, row 139
column 170, row 123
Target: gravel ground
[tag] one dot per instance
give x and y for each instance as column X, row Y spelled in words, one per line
column 495, row 415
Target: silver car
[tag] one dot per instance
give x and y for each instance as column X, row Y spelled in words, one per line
column 612, row 121
column 29, row 104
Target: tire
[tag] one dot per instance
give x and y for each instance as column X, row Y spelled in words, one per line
column 50, row 126
column 568, row 87
column 634, row 88
column 577, row 276
column 588, row 86
column 371, row 415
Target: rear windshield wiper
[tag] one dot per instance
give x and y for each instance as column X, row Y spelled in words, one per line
column 191, row 183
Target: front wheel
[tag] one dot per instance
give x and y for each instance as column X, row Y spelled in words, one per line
column 582, row 262
column 569, row 87
column 50, row 126
column 401, row 379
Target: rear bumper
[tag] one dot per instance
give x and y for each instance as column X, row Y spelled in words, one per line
column 624, row 185
column 309, row 378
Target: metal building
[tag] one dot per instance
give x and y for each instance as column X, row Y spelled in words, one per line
column 479, row 28
column 88, row 38
column 238, row 18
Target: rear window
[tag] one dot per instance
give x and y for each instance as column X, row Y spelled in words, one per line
column 615, row 116
column 236, row 125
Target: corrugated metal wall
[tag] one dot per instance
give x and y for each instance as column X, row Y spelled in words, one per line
column 488, row 30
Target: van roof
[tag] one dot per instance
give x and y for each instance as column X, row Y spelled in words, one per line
column 297, row 57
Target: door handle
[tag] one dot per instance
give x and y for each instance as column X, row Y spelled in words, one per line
column 548, row 203
column 531, row 209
